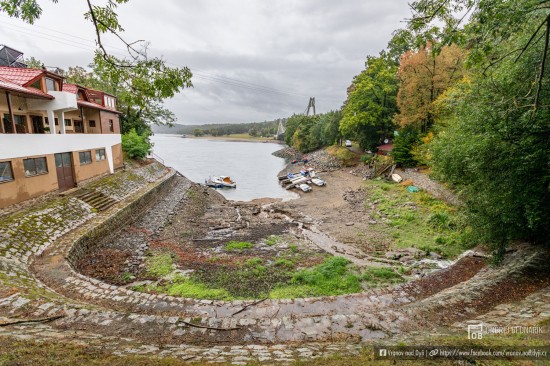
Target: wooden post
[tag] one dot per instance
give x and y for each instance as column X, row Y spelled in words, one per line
column 10, row 111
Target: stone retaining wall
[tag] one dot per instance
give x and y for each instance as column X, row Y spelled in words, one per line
column 125, row 216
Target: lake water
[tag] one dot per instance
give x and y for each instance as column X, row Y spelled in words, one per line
column 250, row 164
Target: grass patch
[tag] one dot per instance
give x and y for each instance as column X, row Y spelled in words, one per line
column 272, row 240
column 250, row 281
column 238, row 245
column 415, row 220
column 332, row 277
column 159, row 264
column 195, row 290
column 382, row 275
column 253, row 262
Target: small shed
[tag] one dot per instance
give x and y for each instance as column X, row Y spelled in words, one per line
column 385, row 149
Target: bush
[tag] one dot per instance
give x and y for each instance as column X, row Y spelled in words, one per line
column 136, row 146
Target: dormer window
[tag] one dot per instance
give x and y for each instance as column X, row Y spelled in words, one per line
column 109, row 102
column 51, row 85
column 80, row 95
column 36, row 85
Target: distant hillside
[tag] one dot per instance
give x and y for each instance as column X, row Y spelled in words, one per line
column 268, row 128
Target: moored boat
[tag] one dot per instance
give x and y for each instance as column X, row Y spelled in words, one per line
column 221, row 182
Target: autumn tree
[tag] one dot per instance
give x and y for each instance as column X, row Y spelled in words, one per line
column 423, row 76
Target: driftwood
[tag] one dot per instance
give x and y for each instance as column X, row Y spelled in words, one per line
column 249, row 305
column 37, row 320
column 207, row 327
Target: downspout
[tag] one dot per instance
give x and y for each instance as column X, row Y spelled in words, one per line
column 2, row 120
column 10, row 111
column 100, row 123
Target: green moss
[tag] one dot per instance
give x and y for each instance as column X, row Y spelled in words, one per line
column 238, row 245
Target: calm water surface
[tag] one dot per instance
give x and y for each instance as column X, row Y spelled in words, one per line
column 250, row 164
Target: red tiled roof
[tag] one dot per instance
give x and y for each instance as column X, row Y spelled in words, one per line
column 386, row 147
column 84, row 103
column 18, row 75
column 7, row 84
column 71, row 88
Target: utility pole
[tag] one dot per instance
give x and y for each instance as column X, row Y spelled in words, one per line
column 311, row 105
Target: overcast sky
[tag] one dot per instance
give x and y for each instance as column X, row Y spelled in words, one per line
column 252, row 60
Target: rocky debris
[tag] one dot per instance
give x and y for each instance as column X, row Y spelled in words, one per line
column 361, row 170
column 319, row 160
column 288, row 153
column 423, row 181
column 356, row 198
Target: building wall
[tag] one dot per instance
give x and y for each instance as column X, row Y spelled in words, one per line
column 16, row 147
column 106, row 117
column 22, row 187
column 118, row 157
column 92, row 114
column 87, row 171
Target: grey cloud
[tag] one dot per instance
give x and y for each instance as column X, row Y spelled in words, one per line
column 302, row 47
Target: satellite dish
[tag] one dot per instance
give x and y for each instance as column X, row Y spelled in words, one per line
column 386, row 141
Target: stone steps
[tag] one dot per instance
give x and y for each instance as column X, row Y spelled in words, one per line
column 96, row 199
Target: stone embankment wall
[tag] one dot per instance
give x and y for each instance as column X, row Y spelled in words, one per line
column 133, row 211
column 30, row 231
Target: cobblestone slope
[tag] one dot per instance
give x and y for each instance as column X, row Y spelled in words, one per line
column 38, row 279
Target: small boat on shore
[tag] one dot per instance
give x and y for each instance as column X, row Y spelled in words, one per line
column 304, row 187
column 318, row 182
column 396, row 178
column 221, row 182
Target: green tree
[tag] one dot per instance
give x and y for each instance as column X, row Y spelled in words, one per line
column 494, row 138
column 136, row 146
column 198, row 132
column 33, row 63
column 403, row 145
column 368, row 111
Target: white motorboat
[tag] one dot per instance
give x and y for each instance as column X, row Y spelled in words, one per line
column 318, row 182
column 222, row 182
column 304, row 187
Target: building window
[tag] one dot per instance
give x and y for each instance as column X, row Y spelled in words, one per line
column 6, row 174
column 100, row 154
column 91, row 123
column 68, row 122
column 50, row 85
column 109, row 102
column 20, row 123
column 85, row 157
column 111, row 126
column 35, row 166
